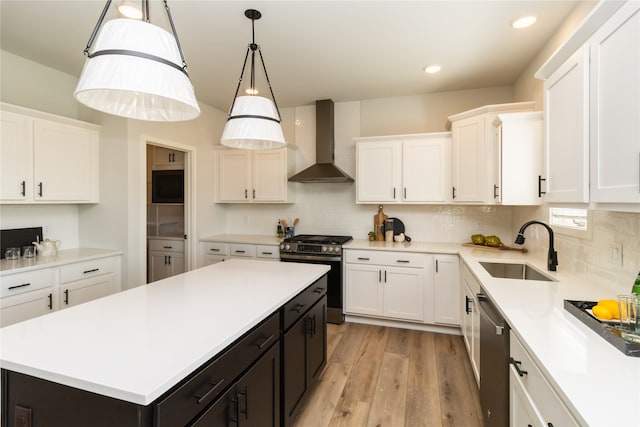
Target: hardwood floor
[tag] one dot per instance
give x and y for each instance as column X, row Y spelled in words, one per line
column 388, row 377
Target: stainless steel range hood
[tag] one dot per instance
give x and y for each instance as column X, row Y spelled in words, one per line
column 324, row 170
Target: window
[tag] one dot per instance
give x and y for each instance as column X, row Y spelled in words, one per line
column 570, row 221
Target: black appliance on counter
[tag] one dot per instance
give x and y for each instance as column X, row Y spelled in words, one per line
column 494, row 365
column 314, row 249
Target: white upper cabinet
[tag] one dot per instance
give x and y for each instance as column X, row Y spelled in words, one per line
column 255, row 176
column 566, row 110
column 47, row 159
column 403, row 169
column 473, row 152
column 166, row 158
column 517, row 160
column 615, row 108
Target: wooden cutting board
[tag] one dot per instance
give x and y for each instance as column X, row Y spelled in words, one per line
column 501, row 248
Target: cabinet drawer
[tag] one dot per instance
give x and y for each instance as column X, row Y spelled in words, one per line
column 83, row 270
column 239, row 249
column 295, row 308
column 216, row 248
column 183, row 404
column 267, row 251
column 14, row 284
column 388, row 258
column 542, row 393
column 166, row 245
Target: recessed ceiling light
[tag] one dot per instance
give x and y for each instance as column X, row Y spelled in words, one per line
column 523, row 22
column 129, row 9
column 432, row 69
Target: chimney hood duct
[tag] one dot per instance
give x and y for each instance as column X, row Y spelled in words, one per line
column 324, row 170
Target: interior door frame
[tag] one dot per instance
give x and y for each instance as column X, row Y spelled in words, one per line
column 189, row 198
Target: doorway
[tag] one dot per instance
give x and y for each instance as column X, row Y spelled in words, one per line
column 167, row 197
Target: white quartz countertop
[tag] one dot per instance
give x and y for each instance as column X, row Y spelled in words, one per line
column 64, row 256
column 137, row 344
column 599, row 383
column 254, row 239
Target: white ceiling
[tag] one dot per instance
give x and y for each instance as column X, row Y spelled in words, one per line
column 343, row 50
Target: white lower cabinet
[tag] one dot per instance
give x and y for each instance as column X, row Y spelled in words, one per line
column 165, row 259
column 471, row 319
column 532, row 399
column 385, row 284
column 214, row 252
column 36, row 292
column 446, row 289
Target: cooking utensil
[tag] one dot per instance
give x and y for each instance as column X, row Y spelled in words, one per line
column 398, row 228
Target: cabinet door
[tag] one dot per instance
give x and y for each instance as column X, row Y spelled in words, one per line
column 158, row 267
column 471, row 321
column 378, row 171
column 426, row 170
column 25, row 306
column 15, row 151
column 165, row 158
column 469, row 163
column 86, row 290
column 615, row 108
column 446, row 285
column 259, row 392
column 176, row 264
column 403, row 293
column 566, row 132
column 364, row 291
column 65, row 162
column 234, row 176
column 269, row 176
column 221, row 413
column 522, row 411
column 317, row 338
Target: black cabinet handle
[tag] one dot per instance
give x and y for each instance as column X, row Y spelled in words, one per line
column 298, row 308
column 363, row 259
column 467, row 308
column 385, row 276
column 169, row 156
column 66, row 296
column 379, row 275
column 214, row 249
column 202, row 397
column 19, row 286
column 540, row 180
column 40, row 189
column 169, row 259
column 24, row 189
column 244, row 393
column 239, row 252
column 495, row 191
column 265, row 341
column 318, row 290
column 453, row 192
column 266, row 253
column 167, row 247
column 237, row 411
column 308, row 326
column 254, row 193
column 403, row 261
column 405, row 192
column 516, row 364
column 246, row 193
column 394, row 193
column 436, row 266
column 50, row 305
column 93, row 270
column 549, row 424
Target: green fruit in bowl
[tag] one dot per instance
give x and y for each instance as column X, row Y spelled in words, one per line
column 493, row 241
column 478, row 239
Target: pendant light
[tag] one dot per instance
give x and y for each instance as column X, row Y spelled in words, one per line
column 136, row 70
column 254, row 121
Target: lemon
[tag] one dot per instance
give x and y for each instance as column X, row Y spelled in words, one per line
column 602, row 312
column 612, row 305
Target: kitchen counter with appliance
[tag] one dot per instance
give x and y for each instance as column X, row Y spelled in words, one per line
column 252, row 239
column 137, row 344
column 599, row 383
column 65, row 256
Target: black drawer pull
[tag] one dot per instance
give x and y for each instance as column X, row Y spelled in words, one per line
column 167, row 247
column 266, row 253
column 516, row 364
column 298, row 308
column 244, row 393
column 239, row 252
column 23, row 192
column 50, row 305
column 66, row 296
column 318, row 290
column 201, row 398
column 40, row 189
column 214, row 249
column 403, row 261
column 363, row 259
column 19, row 286
column 265, row 341
column 93, row 270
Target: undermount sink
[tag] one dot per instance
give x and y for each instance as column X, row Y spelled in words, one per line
column 505, row 270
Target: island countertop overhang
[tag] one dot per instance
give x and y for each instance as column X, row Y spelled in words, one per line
column 137, row 344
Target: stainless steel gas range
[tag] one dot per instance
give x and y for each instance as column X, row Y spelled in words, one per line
column 316, row 249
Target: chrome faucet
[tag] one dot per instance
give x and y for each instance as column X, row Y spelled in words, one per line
column 552, row 259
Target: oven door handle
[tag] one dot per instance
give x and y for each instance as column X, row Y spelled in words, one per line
column 286, row 257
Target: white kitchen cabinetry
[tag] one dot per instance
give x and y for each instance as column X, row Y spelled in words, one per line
column 566, row 111
column 533, row 400
column 517, row 161
column 47, row 159
column 473, row 150
column 166, row 258
column 471, row 319
column 168, row 159
column 85, row 281
column 214, row 252
column 255, row 176
column 29, row 294
column 446, row 289
column 385, row 284
column 615, row 108
column 403, row 169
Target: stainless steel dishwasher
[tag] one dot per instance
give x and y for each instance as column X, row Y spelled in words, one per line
column 494, row 364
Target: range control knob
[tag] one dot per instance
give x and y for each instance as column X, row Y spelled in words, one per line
column 338, row 249
column 324, row 249
column 281, row 246
column 330, row 248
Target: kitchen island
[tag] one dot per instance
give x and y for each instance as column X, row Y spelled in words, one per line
column 135, row 349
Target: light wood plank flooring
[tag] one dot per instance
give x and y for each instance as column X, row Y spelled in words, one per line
column 388, row 377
